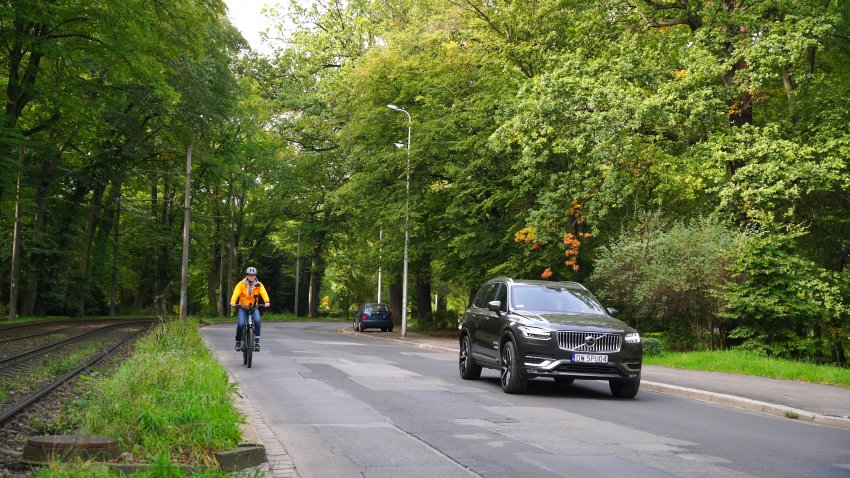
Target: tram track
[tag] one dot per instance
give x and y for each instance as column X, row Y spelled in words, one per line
column 28, row 376
column 21, row 337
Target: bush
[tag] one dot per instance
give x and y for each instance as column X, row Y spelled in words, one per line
column 662, row 276
column 652, row 346
column 783, row 304
column 445, row 319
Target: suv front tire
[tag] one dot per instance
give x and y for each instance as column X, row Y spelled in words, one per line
column 624, row 388
column 469, row 370
column 512, row 379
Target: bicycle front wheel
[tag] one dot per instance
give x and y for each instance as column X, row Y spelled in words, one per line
column 249, row 346
column 244, row 348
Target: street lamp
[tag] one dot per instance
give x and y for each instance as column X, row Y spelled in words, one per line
column 406, row 221
column 380, row 244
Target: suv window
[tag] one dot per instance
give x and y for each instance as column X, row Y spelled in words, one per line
column 555, row 299
column 502, row 296
column 483, row 296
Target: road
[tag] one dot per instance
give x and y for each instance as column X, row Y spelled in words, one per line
column 353, row 407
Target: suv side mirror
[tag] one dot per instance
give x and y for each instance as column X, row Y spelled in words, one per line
column 494, row 305
column 613, row 312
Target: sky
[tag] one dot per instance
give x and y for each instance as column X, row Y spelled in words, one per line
column 245, row 15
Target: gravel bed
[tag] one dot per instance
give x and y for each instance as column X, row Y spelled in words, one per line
column 30, row 422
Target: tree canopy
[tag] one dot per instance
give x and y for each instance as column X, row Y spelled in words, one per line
column 689, row 160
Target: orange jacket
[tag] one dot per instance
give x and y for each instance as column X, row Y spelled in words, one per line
column 241, row 292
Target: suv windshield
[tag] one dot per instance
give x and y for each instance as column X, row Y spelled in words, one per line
column 554, row 299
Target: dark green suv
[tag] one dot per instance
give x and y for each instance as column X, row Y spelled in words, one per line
column 529, row 329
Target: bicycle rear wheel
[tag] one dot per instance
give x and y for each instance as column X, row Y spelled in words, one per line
column 249, row 346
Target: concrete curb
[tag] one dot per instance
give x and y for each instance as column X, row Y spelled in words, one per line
column 684, row 392
column 746, row 404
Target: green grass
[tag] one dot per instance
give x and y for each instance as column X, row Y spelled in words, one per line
column 22, row 320
column 747, row 363
column 169, row 403
column 49, row 368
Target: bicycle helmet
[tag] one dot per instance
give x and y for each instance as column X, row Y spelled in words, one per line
column 251, row 270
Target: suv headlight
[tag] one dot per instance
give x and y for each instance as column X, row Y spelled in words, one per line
column 535, row 332
column 633, row 338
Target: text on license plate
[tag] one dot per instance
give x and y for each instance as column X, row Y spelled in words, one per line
column 590, row 358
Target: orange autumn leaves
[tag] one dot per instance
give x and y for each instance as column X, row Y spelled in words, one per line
column 571, row 240
column 573, row 244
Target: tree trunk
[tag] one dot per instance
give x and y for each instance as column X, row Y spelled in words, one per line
column 163, row 281
column 147, row 281
column 213, row 275
column 395, row 300
column 442, row 303
column 88, row 239
column 116, row 223
column 317, row 270
column 423, row 291
column 296, row 299
column 36, row 259
column 184, row 269
column 16, row 243
column 231, row 256
column 214, row 279
column 223, row 293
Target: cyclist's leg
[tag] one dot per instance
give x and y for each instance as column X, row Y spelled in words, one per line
column 257, row 326
column 240, row 322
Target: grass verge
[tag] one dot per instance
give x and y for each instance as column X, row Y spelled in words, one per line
column 734, row 361
column 168, row 404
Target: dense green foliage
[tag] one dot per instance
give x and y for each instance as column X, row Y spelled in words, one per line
column 665, row 277
column 690, row 159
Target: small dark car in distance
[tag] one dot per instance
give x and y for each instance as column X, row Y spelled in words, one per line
column 373, row 316
column 532, row 328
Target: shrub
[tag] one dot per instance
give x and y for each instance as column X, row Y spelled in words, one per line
column 783, row 304
column 662, row 276
column 652, row 346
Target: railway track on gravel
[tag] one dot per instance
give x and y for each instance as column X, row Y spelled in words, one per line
column 40, row 358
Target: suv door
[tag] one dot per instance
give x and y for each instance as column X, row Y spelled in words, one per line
column 494, row 322
column 475, row 318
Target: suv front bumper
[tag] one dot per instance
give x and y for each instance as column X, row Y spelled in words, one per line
column 543, row 366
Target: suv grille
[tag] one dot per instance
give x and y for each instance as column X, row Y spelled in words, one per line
column 589, row 342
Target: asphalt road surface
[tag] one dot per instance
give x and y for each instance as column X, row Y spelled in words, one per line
column 356, row 407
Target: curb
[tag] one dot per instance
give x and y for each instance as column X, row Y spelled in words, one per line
column 683, row 392
column 747, row 404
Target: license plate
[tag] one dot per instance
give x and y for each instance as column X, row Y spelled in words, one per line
column 590, row 358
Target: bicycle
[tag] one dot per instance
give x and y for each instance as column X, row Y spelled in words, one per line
column 248, row 332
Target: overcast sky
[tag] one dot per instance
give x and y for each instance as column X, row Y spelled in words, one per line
column 245, row 15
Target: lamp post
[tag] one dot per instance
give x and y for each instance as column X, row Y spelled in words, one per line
column 380, row 244
column 406, row 222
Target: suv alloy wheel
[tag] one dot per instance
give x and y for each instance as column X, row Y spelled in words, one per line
column 512, row 379
column 469, row 370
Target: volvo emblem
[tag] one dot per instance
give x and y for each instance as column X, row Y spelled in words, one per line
column 590, row 341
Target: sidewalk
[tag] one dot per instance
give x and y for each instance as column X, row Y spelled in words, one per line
column 822, row 404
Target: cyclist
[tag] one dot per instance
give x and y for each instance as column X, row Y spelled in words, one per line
column 244, row 292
